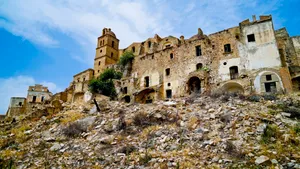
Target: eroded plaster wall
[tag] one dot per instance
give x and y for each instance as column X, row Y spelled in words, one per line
column 263, row 52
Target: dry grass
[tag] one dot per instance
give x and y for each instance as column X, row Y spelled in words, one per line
column 19, row 133
column 71, row 116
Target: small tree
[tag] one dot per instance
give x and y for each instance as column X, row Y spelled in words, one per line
column 126, row 58
column 110, row 74
column 104, row 83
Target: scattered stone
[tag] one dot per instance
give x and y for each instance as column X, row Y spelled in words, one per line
column 261, row 159
column 55, row 147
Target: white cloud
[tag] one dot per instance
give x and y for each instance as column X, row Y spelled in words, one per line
column 17, row 87
column 132, row 20
column 81, row 20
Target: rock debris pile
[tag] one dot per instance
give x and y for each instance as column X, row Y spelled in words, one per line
column 203, row 132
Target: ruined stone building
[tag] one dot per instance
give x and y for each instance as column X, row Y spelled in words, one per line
column 16, row 105
column 38, row 94
column 35, row 94
column 249, row 58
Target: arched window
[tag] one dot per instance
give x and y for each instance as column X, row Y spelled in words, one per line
column 199, row 66
column 234, row 72
column 133, row 49
column 149, row 44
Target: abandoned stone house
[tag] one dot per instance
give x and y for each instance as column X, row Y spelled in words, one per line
column 35, row 94
column 251, row 57
column 38, row 94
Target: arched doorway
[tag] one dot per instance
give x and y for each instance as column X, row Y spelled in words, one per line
column 145, row 96
column 232, row 87
column 126, row 99
column 194, row 85
column 268, row 82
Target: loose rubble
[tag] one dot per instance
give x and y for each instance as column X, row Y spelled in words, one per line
column 203, row 133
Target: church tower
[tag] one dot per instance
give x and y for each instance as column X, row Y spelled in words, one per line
column 107, row 51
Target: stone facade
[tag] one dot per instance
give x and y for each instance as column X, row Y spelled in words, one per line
column 251, row 57
column 80, row 85
column 38, row 94
column 16, row 106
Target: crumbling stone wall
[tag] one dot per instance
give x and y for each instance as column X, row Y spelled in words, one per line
column 235, row 59
column 38, row 94
column 296, row 44
column 286, row 48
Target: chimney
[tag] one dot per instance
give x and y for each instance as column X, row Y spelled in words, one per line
column 254, row 18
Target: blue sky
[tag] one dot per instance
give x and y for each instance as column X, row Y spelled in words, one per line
column 48, row 41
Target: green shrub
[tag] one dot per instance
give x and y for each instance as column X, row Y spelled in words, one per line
column 110, row 74
column 270, row 97
column 254, row 98
column 104, row 84
column 296, row 128
column 126, row 58
column 269, row 132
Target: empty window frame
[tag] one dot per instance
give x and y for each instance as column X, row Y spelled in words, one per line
column 113, row 44
column 133, row 49
column 251, row 38
column 227, row 48
column 147, row 81
column 168, row 72
column 268, row 77
column 112, row 54
column 234, row 72
column 99, row 63
column 198, row 50
column 125, row 90
column 171, row 56
column 149, row 44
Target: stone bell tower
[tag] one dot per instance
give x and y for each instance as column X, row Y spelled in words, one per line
column 107, row 51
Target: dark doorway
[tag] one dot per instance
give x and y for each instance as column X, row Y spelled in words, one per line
column 34, row 99
column 199, row 66
column 127, row 99
column 168, row 72
column 194, row 85
column 125, row 90
column 270, row 87
column 234, row 72
column 169, row 93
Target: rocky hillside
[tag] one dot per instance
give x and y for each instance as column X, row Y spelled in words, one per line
column 198, row 132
